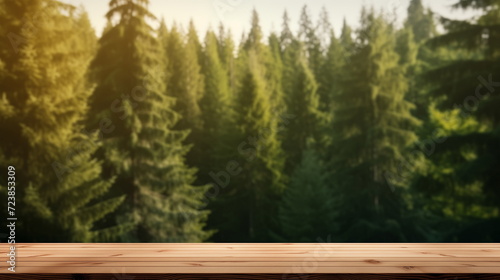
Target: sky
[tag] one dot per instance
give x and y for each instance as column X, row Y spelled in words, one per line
column 236, row 14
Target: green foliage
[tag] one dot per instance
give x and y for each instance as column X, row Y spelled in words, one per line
column 226, row 48
column 263, row 178
column 406, row 48
column 372, row 127
column 465, row 167
column 420, row 21
column 286, row 36
column 258, row 152
column 382, row 134
column 185, row 81
column 439, row 181
column 144, row 151
column 302, row 101
column 186, row 84
column 331, row 73
column 308, row 209
column 43, row 104
column 346, row 39
column 217, row 112
column 312, row 43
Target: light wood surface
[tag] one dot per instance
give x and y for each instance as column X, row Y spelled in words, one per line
column 256, row 276
column 286, row 259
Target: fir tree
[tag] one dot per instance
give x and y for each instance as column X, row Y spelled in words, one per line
column 286, row 36
column 420, row 21
column 372, row 127
column 263, row 159
column 346, row 39
column 471, row 88
column 274, row 66
column 187, row 85
column 331, row 74
column 407, row 50
column 438, row 180
column 302, row 101
column 194, row 42
column 144, row 150
column 185, row 78
column 217, row 110
column 259, row 154
column 219, row 138
column 308, row 207
column 418, row 28
column 328, row 71
column 43, row 92
column 325, row 29
column 308, row 35
column 329, row 87
column 226, row 47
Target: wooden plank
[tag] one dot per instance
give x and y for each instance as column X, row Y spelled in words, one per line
column 119, row 276
column 258, row 249
column 283, row 258
column 294, row 255
column 244, row 269
column 258, row 245
column 43, row 258
column 256, row 264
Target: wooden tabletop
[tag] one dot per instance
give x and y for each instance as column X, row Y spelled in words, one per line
column 254, row 258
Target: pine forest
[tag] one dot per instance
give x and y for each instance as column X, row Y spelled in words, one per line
column 156, row 131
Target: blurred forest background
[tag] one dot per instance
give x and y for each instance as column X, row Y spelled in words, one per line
column 383, row 133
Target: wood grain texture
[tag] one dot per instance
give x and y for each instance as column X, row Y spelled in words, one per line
column 252, row 276
column 282, row 259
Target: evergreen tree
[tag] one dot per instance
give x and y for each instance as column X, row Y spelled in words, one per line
column 264, row 179
column 302, row 101
column 308, row 206
column 446, row 194
column 328, row 71
column 346, row 39
column 227, row 55
column 329, row 86
column 187, row 86
column 407, row 50
column 43, row 90
column 471, row 88
column 325, row 29
column 331, row 74
column 418, row 28
column 420, row 21
column 308, row 35
column 194, row 42
column 144, row 151
column 257, row 188
column 217, row 111
column 372, row 127
column 286, row 36
column 185, row 78
column 274, row 66
column 219, row 136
